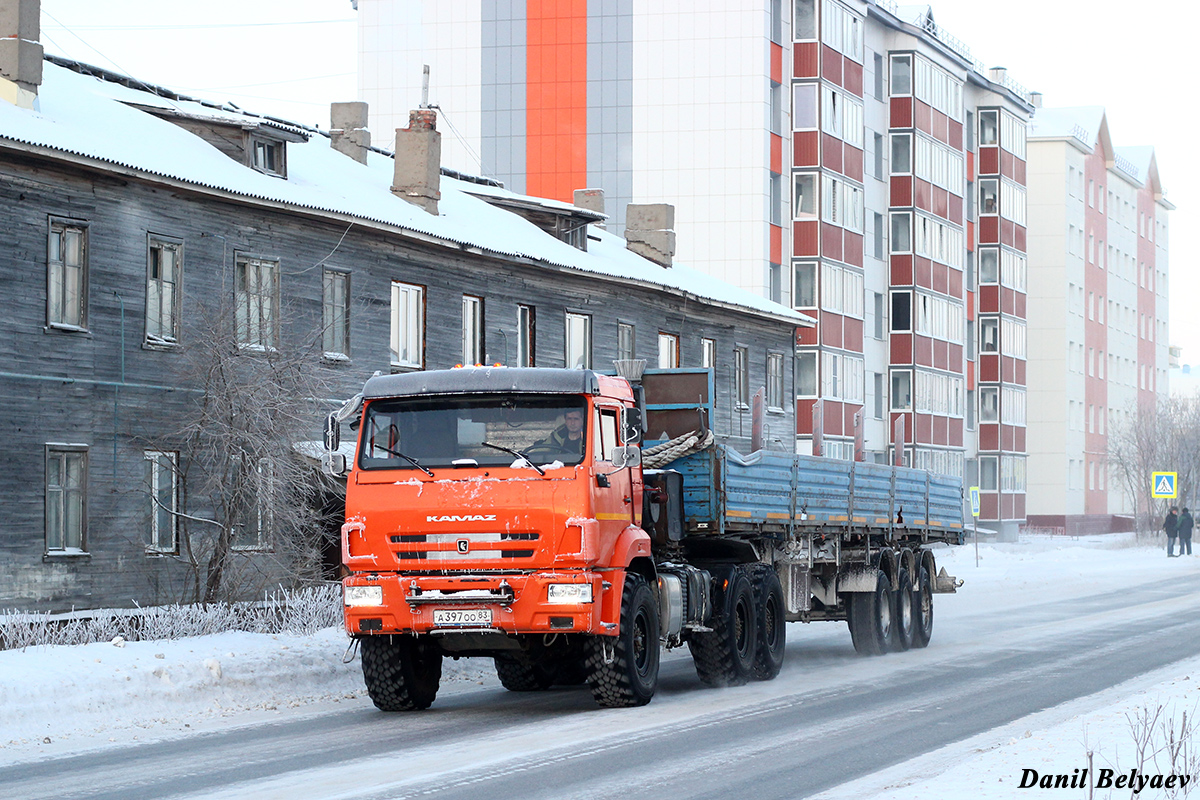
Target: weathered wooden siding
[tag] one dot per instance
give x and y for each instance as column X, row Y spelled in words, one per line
column 58, row 386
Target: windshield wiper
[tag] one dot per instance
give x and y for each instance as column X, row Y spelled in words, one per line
column 517, row 453
column 407, row 458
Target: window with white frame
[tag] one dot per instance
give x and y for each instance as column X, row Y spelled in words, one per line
column 989, row 335
column 842, row 30
column 852, row 293
column 163, row 493
column 67, row 274
column 1012, row 405
column 255, row 529
column 66, row 499
column 989, row 127
column 901, row 161
column 708, row 353
column 1012, row 201
column 164, row 271
column 408, row 325
column 804, row 20
column 939, row 164
column 842, row 116
column 668, row 350
column 902, row 398
column 806, row 373
column 804, row 286
column 256, row 302
column 472, row 330
column 989, row 478
column 989, row 404
column 775, row 381
column 901, row 311
column 1012, row 134
column 1012, row 474
column 804, row 106
column 989, row 265
column 804, row 195
column 939, row 393
column 938, row 241
column 939, row 318
column 901, row 75
column 335, row 314
column 901, row 241
column 578, row 341
column 1013, row 270
column 1012, row 337
column 938, row 88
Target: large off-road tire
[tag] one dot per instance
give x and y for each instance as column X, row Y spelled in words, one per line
column 871, row 618
column 519, row 674
column 922, row 609
column 771, row 622
column 902, row 613
column 623, row 670
column 724, row 656
column 402, row 672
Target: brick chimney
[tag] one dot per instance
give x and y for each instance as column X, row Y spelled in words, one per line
column 20, row 51
column 348, row 129
column 592, row 200
column 650, row 231
column 419, row 161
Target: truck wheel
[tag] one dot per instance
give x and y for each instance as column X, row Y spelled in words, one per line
column 623, row 670
column 772, row 624
column 725, row 655
column 521, row 675
column 402, row 672
column 902, row 613
column 871, row 618
column 922, row 610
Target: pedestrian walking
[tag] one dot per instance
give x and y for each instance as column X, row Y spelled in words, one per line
column 1184, row 526
column 1171, row 526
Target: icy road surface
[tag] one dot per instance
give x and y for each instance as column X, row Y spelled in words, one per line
column 1045, row 628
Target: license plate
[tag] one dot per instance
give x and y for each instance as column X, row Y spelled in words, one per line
column 462, row 616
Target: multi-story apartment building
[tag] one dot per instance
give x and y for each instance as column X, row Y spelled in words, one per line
column 1097, row 308
column 848, row 157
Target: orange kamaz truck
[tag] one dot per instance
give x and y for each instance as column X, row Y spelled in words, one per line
column 519, row 514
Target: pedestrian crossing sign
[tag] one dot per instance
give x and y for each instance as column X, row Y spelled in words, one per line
column 974, row 494
column 1164, row 484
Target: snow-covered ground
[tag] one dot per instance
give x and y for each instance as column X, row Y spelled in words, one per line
column 57, row 700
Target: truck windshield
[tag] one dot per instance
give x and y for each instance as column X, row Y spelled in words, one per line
column 443, row 432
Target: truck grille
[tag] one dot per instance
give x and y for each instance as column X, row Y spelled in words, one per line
column 463, row 546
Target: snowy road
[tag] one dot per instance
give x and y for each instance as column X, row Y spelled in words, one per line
column 829, row 718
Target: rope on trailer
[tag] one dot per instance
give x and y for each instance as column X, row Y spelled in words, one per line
column 662, row 454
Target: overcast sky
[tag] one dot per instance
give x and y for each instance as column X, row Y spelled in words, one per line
column 291, row 58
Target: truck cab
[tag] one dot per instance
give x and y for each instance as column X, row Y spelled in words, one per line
column 492, row 511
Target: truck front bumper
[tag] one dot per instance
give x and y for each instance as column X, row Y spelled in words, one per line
column 475, row 603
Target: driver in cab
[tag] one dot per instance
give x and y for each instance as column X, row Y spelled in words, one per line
column 566, row 438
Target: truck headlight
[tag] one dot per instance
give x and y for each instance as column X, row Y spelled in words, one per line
column 568, row 593
column 363, row 596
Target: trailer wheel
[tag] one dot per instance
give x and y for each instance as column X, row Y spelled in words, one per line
column 623, row 670
column 402, row 673
column 725, row 655
column 772, row 623
column 902, row 612
column 522, row 675
column 922, row 610
column 871, row 614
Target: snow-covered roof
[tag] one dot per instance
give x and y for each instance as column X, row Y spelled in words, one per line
column 92, row 119
column 1084, row 123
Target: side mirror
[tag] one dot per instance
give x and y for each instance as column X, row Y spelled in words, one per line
column 334, row 464
column 628, row 456
column 333, row 433
column 631, row 421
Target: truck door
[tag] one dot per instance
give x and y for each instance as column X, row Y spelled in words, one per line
column 613, row 492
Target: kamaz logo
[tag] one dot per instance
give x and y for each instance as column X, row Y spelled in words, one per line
column 463, row 518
